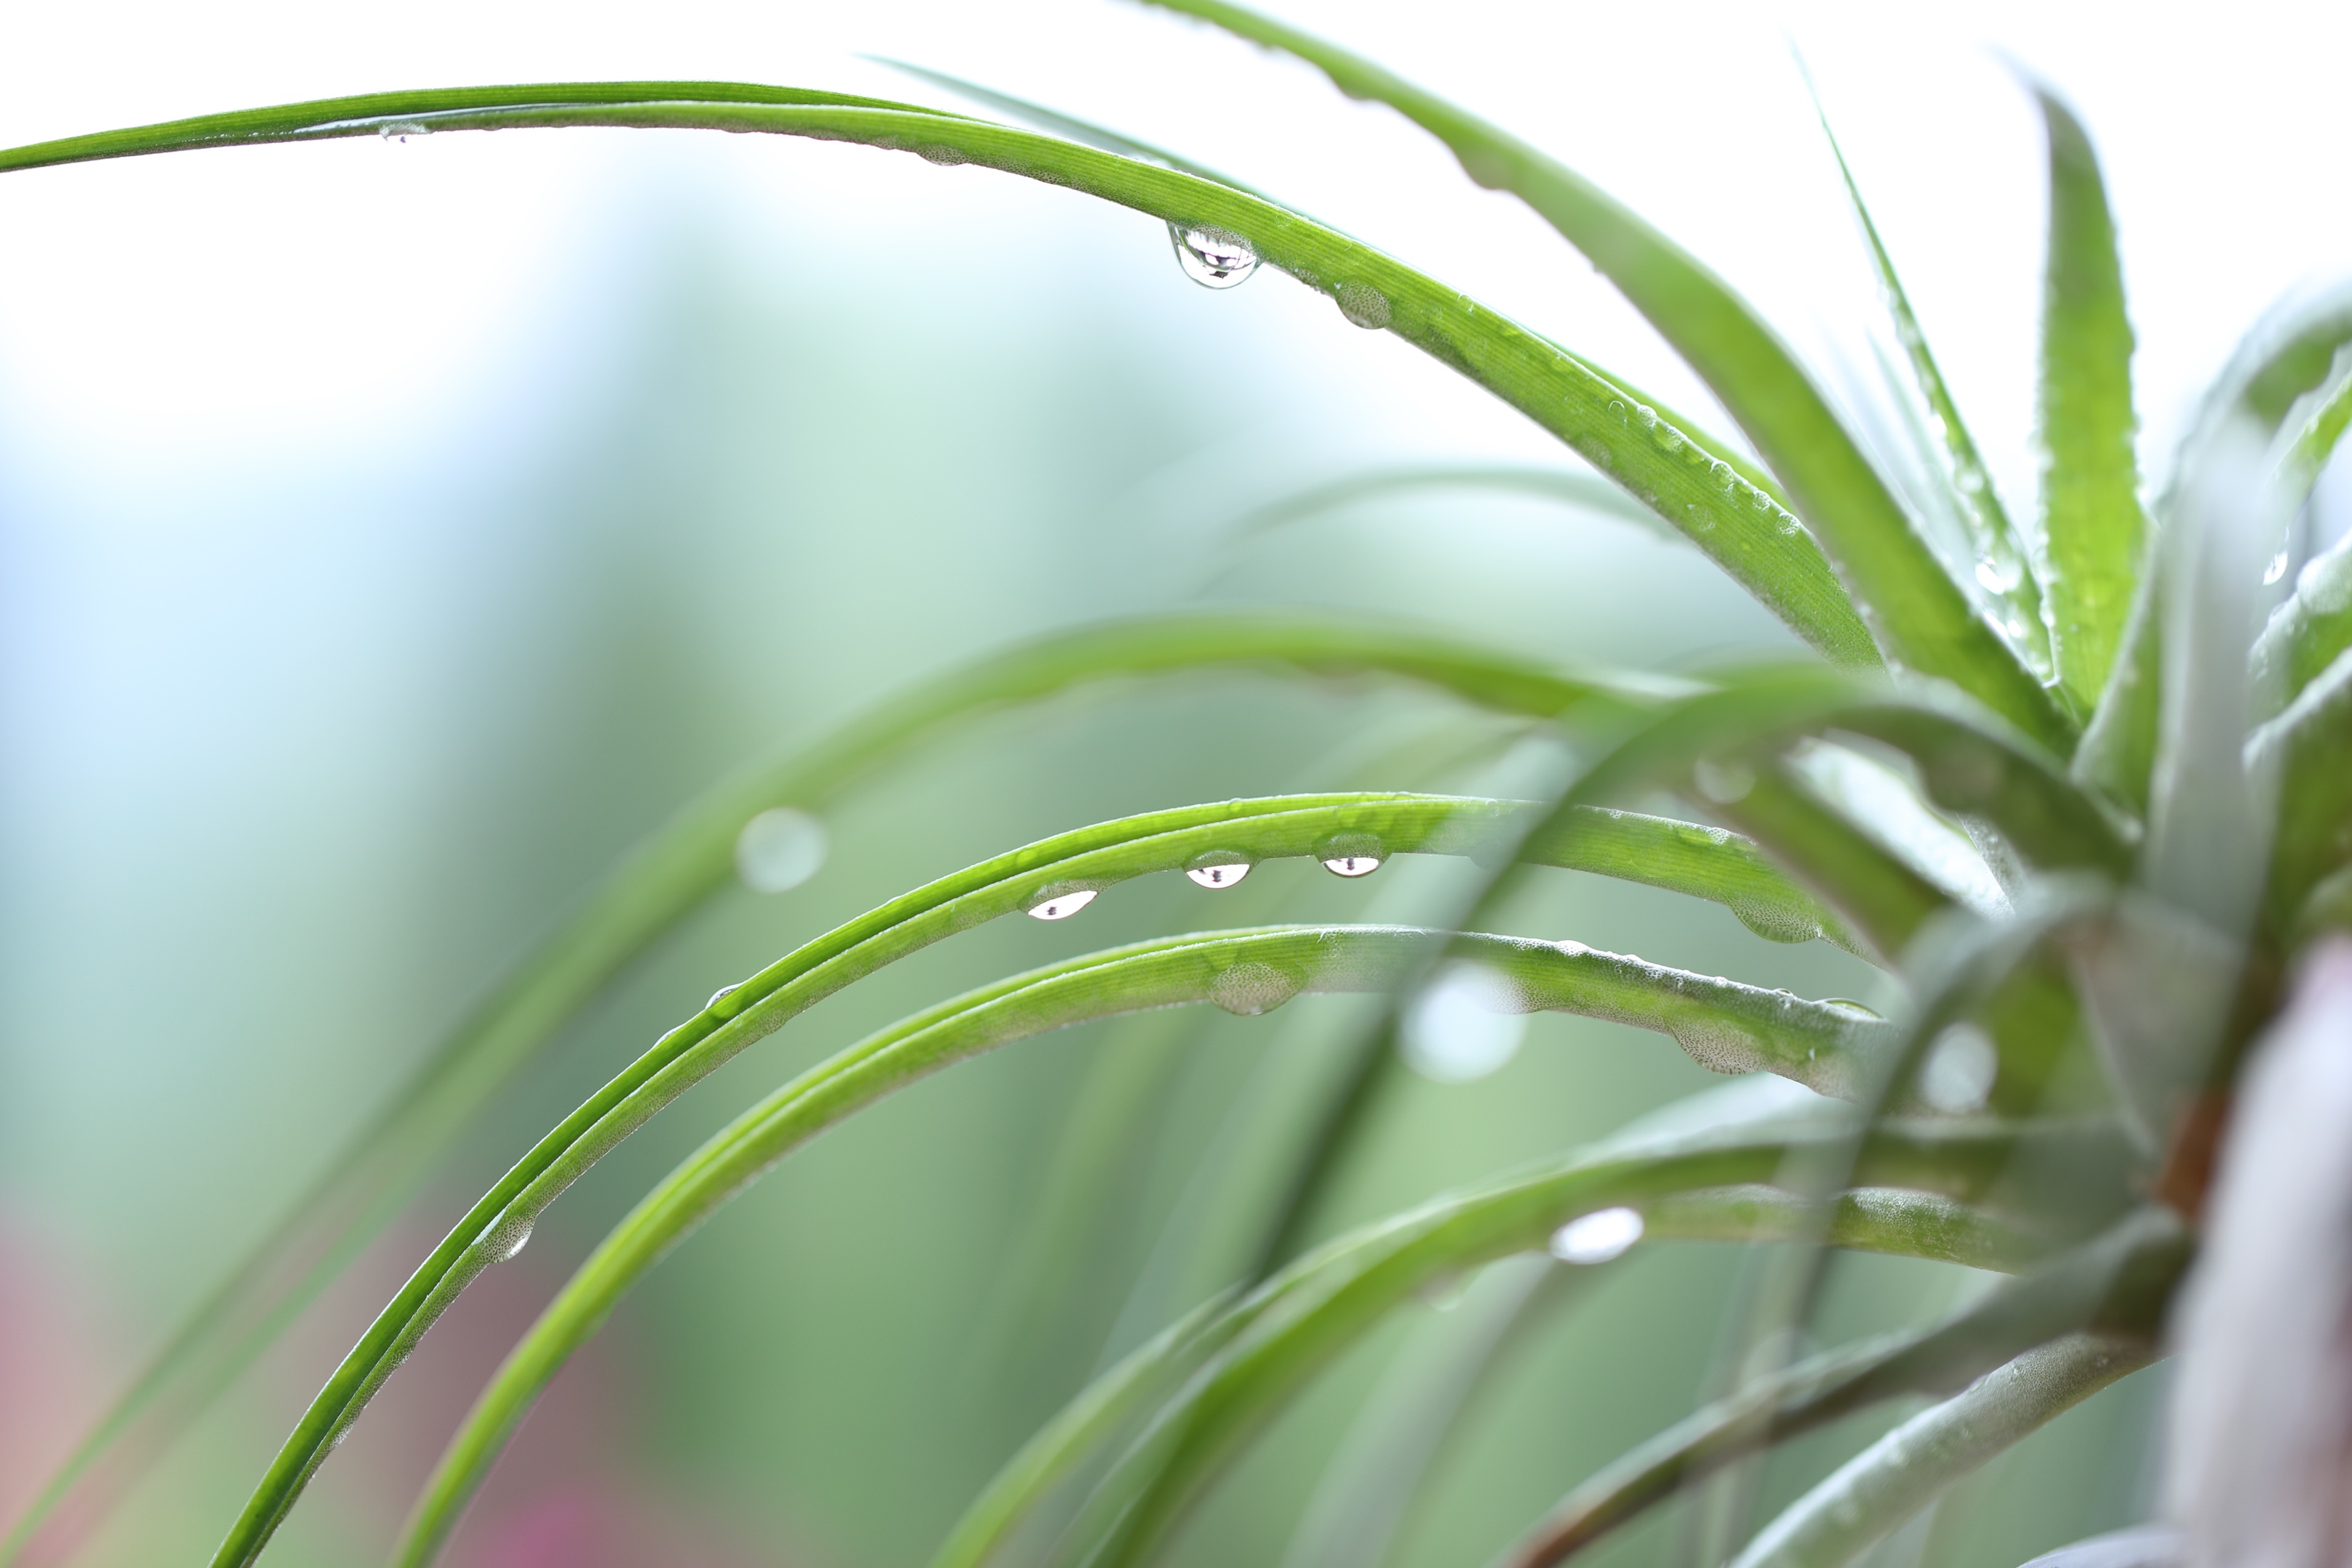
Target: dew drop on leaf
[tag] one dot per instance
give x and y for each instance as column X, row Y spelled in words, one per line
column 1363, row 305
column 1064, row 905
column 2276, row 569
column 1997, row 576
column 1248, row 990
column 779, row 850
column 1223, row 876
column 1597, row 1236
column 1212, row 258
column 1353, row 865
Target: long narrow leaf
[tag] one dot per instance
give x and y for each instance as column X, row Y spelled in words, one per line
column 676, row 868
column 1737, row 525
column 1272, row 1359
column 2093, row 530
column 2004, row 566
column 1924, row 619
column 1585, row 491
column 2308, row 631
column 1887, row 1483
column 1728, row 1027
column 2118, row 1285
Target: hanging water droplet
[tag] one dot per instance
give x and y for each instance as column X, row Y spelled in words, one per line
column 1597, row 1236
column 2276, row 569
column 1353, row 865
column 1223, row 876
column 506, row 1237
column 1960, row 1071
column 716, row 996
column 1248, row 990
column 1997, row 576
column 1062, row 906
column 402, row 130
column 1212, row 258
column 1466, row 1024
column 779, row 850
column 1363, row 305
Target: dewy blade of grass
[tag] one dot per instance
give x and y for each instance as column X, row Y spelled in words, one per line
column 1320, row 1310
column 2117, row 1284
column 2093, row 530
column 1087, row 861
column 2307, row 633
column 1585, row 491
column 1730, row 1027
column 683, row 864
column 2004, row 563
column 1873, row 1493
column 1923, row 619
column 1738, row 526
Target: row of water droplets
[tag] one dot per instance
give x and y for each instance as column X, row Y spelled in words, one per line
column 1220, row 875
column 1219, row 258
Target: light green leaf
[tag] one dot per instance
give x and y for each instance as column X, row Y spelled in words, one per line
column 1728, row 1027
column 2307, row 633
column 1737, row 525
column 1586, row 491
column 1922, row 618
column 2117, row 1284
column 1887, row 1483
column 2004, row 565
column 2093, row 530
column 2307, row 750
column 672, row 872
column 1318, row 1309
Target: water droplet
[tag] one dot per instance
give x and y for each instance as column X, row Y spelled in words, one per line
column 1212, row 258
column 506, row 1237
column 716, row 996
column 1363, row 305
column 1353, row 865
column 1725, row 784
column 1597, row 1236
column 945, row 157
column 402, row 130
column 1466, row 1025
column 1223, row 876
column 1960, row 1071
column 2276, row 569
column 1250, row 989
column 1062, row 906
column 1618, row 408
column 1997, row 576
column 779, row 850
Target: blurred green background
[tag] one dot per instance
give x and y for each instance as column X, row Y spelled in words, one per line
column 355, row 620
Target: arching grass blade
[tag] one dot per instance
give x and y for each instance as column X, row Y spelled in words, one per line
column 2093, row 530
column 1923, row 616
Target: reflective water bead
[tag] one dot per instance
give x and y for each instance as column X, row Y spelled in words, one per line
column 2276, row 569
column 1353, row 865
column 1997, row 576
column 1218, row 876
column 1063, row 906
column 1363, row 305
column 1212, row 258
column 1597, row 1236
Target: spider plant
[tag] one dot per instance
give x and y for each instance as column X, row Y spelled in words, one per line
column 2148, row 776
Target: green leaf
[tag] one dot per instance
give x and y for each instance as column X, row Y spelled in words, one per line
column 2118, row 1284
column 1921, row 616
column 1728, row 1027
column 2004, row 563
column 1737, row 525
column 2307, row 633
column 671, row 873
column 1586, row 491
column 1887, row 1483
column 2093, row 530
column 2307, row 750
column 1885, row 899
column 1319, row 1308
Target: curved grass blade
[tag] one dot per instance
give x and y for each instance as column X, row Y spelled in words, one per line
column 2307, row 633
column 1884, row 897
column 2004, row 562
column 2307, row 750
column 1924, row 618
column 1738, row 526
column 1088, row 860
column 1873, row 1493
column 2093, row 530
column 1588, row 491
column 1731, row 1027
column 1292, row 1338
column 1055, row 122
column 2118, row 1285
column 670, row 873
